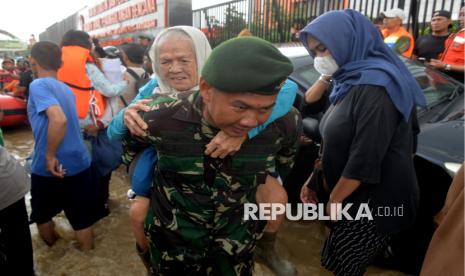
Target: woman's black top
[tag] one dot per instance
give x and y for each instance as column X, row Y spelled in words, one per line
column 367, row 139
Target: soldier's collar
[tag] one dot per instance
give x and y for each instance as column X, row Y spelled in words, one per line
column 191, row 109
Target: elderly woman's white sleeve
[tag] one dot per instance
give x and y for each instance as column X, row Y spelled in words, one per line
column 100, row 83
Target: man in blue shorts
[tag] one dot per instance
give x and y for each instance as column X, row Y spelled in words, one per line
column 60, row 178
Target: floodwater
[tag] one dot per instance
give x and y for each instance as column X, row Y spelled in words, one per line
column 115, row 253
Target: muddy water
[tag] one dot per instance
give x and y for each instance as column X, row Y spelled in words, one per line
column 114, row 252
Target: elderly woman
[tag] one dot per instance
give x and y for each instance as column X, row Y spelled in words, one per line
column 367, row 137
column 178, row 55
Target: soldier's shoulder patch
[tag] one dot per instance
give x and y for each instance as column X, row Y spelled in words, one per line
column 161, row 99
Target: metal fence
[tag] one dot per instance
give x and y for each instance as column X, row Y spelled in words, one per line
column 279, row 20
column 56, row 31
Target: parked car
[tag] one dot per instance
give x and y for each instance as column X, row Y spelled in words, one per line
column 440, row 150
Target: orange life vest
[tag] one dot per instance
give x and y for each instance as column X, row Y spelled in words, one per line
column 391, row 39
column 454, row 49
column 73, row 73
column 11, row 86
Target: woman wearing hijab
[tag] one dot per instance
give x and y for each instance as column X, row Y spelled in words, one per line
column 367, row 137
column 179, row 54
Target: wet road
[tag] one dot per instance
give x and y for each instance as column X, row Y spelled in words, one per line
column 114, row 252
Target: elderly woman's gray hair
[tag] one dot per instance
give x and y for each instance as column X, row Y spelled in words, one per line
column 198, row 41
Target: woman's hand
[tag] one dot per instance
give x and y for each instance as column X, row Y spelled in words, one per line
column 223, row 145
column 337, row 208
column 307, row 195
column 133, row 121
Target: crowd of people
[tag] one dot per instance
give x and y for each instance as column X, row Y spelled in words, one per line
column 439, row 49
column 203, row 132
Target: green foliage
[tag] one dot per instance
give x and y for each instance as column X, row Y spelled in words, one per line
column 455, row 27
column 264, row 25
column 281, row 16
column 233, row 24
column 427, row 29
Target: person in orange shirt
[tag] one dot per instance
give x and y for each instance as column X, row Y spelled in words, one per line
column 451, row 61
column 8, row 75
column 396, row 36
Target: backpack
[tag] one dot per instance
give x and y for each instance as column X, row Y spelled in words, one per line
column 140, row 80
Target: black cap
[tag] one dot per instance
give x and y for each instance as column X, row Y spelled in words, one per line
column 443, row 13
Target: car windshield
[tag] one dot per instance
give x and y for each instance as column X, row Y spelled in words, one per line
column 304, row 72
column 435, row 85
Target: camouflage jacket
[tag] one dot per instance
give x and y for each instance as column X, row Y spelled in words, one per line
column 186, row 178
column 179, row 133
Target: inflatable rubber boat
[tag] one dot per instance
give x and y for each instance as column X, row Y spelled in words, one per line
column 14, row 110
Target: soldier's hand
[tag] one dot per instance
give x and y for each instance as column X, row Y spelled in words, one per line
column 133, row 121
column 223, row 145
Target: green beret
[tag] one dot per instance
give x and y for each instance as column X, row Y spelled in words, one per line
column 247, row 64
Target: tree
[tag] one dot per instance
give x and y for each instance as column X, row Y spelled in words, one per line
column 233, row 24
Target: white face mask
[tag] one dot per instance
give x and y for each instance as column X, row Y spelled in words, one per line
column 325, row 65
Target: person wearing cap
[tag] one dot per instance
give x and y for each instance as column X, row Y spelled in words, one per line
column 395, row 35
column 451, row 61
column 145, row 41
column 431, row 45
column 192, row 48
column 9, row 75
column 197, row 205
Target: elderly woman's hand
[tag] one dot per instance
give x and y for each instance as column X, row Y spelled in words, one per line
column 223, row 145
column 132, row 119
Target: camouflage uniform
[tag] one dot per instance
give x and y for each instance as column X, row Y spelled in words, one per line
column 195, row 224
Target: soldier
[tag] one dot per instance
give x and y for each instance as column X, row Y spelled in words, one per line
column 196, row 224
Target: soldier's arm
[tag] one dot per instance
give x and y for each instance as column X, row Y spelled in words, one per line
column 292, row 129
